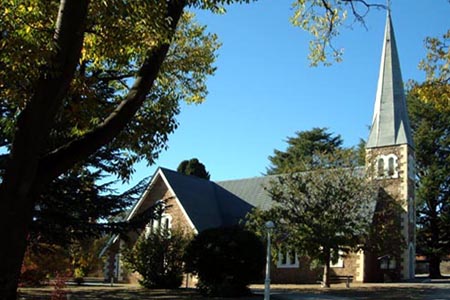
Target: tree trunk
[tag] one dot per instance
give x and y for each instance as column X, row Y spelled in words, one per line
column 434, row 267
column 30, row 139
column 13, row 227
column 27, row 172
column 326, row 269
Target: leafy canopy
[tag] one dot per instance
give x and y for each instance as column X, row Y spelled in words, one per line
column 304, row 151
column 322, row 19
column 95, row 86
column 429, row 110
column 320, row 213
column 115, row 45
column 436, row 88
column 193, row 167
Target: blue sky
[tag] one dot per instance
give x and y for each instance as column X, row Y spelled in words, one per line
column 264, row 89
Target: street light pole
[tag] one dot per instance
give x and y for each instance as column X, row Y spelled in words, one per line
column 269, row 226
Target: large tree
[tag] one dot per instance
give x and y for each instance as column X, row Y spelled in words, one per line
column 66, row 103
column 326, row 212
column 97, row 85
column 429, row 110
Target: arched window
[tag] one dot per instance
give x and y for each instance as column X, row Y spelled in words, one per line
column 155, row 225
column 411, row 167
column 391, row 167
column 380, row 167
column 386, row 166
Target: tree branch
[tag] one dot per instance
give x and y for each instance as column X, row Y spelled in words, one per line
column 360, row 17
column 115, row 77
column 65, row 157
column 35, row 121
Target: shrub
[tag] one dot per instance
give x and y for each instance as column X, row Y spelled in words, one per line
column 226, row 260
column 41, row 261
column 158, row 258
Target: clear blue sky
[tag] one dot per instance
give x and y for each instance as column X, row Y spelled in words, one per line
column 264, row 89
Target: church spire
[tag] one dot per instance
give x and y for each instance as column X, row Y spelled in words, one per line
column 390, row 124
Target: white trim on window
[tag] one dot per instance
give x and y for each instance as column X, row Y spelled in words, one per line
column 340, row 262
column 287, row 259
column 386, row 166
column 164, row 222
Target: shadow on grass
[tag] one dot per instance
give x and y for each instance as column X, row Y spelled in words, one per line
column 433, row 290
column 86, row 293
column 411, row 292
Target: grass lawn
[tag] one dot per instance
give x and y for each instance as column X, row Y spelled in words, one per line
column 437, row 290
column 402, row 291
column 125, row 292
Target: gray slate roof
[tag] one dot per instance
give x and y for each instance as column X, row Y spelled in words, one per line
column 390, row 125
column 207, row 204
column 252, row 190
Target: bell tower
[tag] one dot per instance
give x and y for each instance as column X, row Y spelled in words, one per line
column 390, row 147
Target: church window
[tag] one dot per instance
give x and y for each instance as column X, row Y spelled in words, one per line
column 387, row 166
column 165, row 223
column 340, row 262
column 287, row 259
column 391, row 166
column 283, row 258
column 380, row 167
column 387, row 263
column 411, row 167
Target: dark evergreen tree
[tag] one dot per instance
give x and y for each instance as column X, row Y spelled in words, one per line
column 430, row 126
column 193, row 167
column 76, row 207
column 304, row 151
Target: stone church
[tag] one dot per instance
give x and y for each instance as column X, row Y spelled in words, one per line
column 195, row 204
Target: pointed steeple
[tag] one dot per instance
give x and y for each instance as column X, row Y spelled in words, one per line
column 390, row 124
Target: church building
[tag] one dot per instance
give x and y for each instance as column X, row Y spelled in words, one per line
column 194, row 204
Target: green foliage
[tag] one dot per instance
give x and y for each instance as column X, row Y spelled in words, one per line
column 324, row 208
column 69, row 209
column 322, row 212
column 158, row 258
column 385, row 237
column 430, row 126
column 84, row 256
column 304, row 151
column 193, row 167
column 90, row 86
column 226, row 260
column 360, row 151
column 436, row 88
column 322, row 19
column 116, row 43
column 429, row 111
column 436, row 64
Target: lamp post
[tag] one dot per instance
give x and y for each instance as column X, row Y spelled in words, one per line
column 269, row 227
